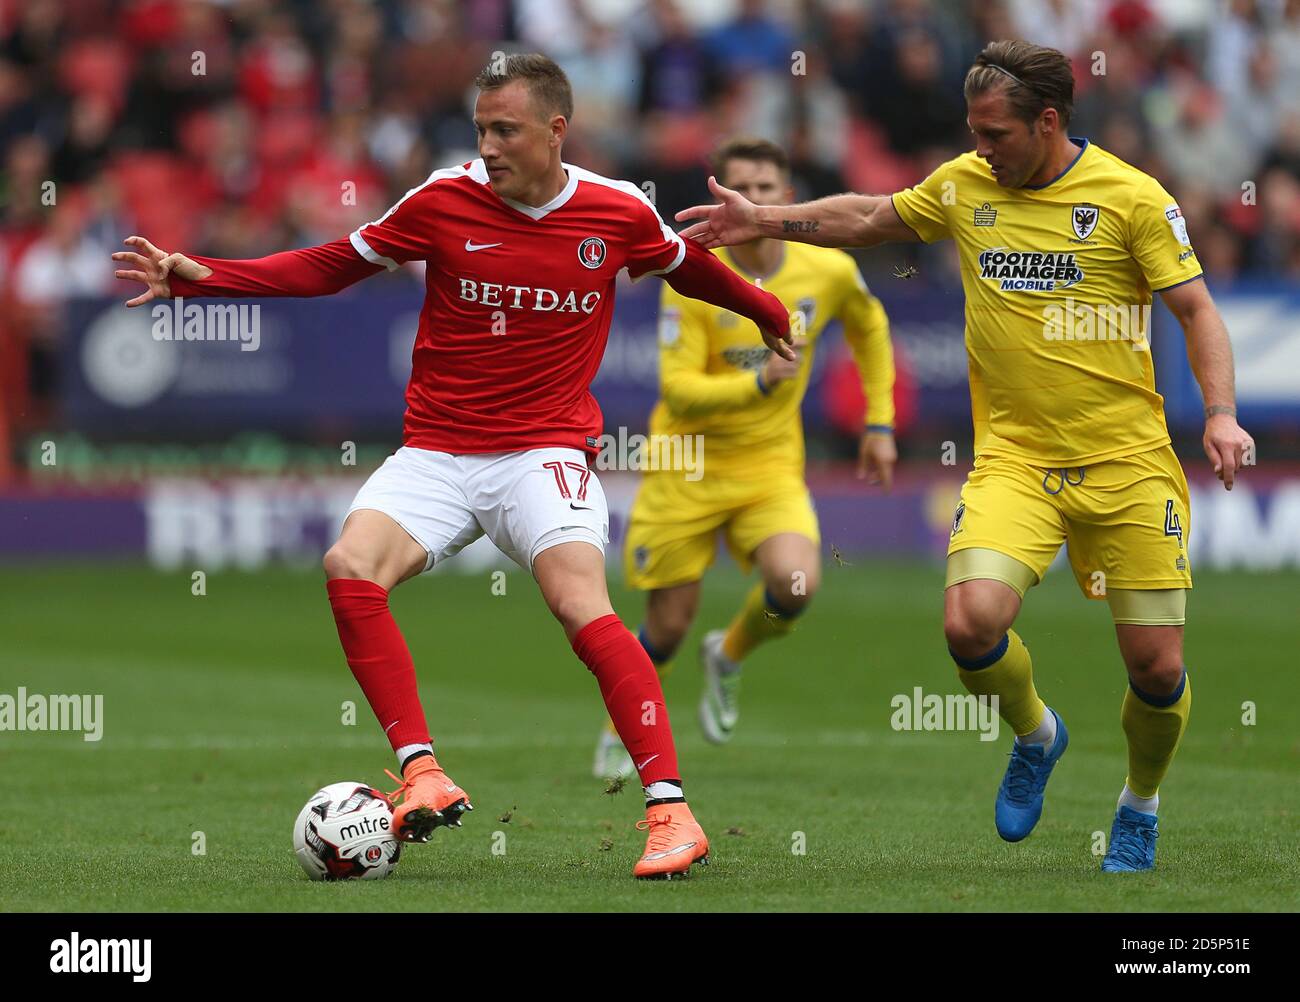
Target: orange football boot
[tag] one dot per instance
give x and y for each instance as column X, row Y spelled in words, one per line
column 429, row 800
column 675, row 842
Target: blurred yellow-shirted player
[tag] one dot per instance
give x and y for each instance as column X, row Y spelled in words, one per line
column 721, row 387
column 1062, row 247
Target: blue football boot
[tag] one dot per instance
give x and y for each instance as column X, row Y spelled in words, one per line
column 1020, row 797
column 1132, row 842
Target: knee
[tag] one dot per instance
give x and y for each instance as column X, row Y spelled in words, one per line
column 793, row 588
column 969, row 631
column 575, row 607
column 566, row 605
column 342, row 561
column 1156, row 672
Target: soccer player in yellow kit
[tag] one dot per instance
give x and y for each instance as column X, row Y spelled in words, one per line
column 1062, row 246
column 719, row 382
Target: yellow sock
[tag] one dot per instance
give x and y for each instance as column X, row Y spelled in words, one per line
column 1010, row 677
column 755, row 623
column 1153, row 735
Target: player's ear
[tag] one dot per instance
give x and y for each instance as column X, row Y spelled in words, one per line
column 559, row 129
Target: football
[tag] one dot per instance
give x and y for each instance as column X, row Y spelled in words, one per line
column 344, row 833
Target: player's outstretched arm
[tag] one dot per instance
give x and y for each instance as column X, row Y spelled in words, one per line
column 836, row 221
column 702, row 276
column 156, row 269
column 1210, row 352
column 311, row 271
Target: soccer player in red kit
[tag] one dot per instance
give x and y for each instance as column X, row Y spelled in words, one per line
column 522, row 253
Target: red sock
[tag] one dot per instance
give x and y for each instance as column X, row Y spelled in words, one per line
column 633, row 696
column 379, row 658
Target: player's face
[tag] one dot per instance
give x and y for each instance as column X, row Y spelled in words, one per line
column 514, row 140
column 1015, row 149
column 762, row 183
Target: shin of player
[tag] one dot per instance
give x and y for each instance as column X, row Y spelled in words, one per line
column 373, row 554
column 572, row 579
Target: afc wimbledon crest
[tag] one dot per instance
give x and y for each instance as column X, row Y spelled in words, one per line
column 591, row 252
column 1084, row 220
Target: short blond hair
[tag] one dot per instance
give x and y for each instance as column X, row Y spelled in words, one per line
column 546, row 82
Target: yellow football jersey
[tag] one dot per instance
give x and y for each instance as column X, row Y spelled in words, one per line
column 1058, row 282
column 709, row 362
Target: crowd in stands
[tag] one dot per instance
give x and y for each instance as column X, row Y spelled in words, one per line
column 243, row 127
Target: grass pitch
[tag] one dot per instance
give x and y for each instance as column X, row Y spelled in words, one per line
column 224, row 712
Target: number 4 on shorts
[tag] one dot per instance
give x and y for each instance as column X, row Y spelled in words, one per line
column 1173, row 527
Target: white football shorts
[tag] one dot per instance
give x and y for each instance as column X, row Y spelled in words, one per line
column 524, row 501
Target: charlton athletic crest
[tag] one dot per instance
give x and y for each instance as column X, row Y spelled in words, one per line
column 1084, row 219
column 591, row 252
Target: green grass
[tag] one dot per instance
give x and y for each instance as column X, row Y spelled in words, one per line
column 222, row 714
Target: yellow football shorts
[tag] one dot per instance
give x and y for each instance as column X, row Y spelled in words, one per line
column 1125, row 523
column 673, row 526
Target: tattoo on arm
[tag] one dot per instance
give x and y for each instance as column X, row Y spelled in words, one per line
column 1214, row 409
column 800, row 225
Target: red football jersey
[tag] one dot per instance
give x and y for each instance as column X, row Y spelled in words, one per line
column 518, row 302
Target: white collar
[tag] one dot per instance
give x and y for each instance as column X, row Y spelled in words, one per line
column 540, row 211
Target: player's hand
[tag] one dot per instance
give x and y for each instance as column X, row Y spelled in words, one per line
column 777, row 368
column 773, row 321
column 877, row 455
column 1228, row 446
column 152, row 266
column 733, row 220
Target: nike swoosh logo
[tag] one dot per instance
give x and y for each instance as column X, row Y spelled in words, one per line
column 577, row 507
column 471, row 246
column 392, row 725
column 647, row 762
column 675, row 851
